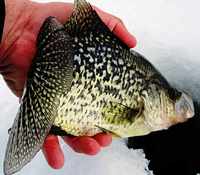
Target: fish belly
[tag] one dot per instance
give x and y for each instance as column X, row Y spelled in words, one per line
column 84, row 106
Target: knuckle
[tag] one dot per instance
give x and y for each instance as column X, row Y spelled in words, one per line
column 113, row 22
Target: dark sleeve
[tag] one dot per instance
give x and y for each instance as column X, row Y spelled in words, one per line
column 2, row 17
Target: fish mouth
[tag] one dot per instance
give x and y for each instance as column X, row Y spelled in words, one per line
column 184, row 108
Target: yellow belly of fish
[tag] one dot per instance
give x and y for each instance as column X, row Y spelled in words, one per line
column 80, row 115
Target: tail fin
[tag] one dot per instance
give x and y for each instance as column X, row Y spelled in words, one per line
column 49, row 76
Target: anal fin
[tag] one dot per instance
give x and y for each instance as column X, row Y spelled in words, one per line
column 58, row 131
column 108, row 132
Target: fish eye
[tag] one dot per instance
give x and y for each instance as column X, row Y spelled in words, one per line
column 172, row 94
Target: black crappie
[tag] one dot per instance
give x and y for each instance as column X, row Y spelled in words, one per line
column 84, row 80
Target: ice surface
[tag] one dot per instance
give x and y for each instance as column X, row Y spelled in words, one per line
column 168, row 35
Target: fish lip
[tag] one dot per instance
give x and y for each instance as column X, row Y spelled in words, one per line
column 184, row 108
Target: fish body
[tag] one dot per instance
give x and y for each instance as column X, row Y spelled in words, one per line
column 82, row 81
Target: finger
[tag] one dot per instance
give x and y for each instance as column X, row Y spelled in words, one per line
column 121, row 31
column 52, row 152
column 103, row 139
column 84, row 145
column 12, row 85
column 117, row 26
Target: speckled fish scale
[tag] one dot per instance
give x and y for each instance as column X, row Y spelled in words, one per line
column 104, row 71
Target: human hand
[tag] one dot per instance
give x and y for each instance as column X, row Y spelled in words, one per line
column 23, row 21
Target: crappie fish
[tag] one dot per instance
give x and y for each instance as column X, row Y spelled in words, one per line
column 84, row 80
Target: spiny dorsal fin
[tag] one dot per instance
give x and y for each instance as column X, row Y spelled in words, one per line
column 78, row 19
column 84, row 21
column 49, row 76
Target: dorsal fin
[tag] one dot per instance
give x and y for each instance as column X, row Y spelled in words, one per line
column 84, row 21
column 82, row 18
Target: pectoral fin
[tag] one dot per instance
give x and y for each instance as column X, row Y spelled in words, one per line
column 118, row 114
column 116, row 118
column 49, row 76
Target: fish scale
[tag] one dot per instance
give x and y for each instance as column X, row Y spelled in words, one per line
column 94, row 75
column 83, row 80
